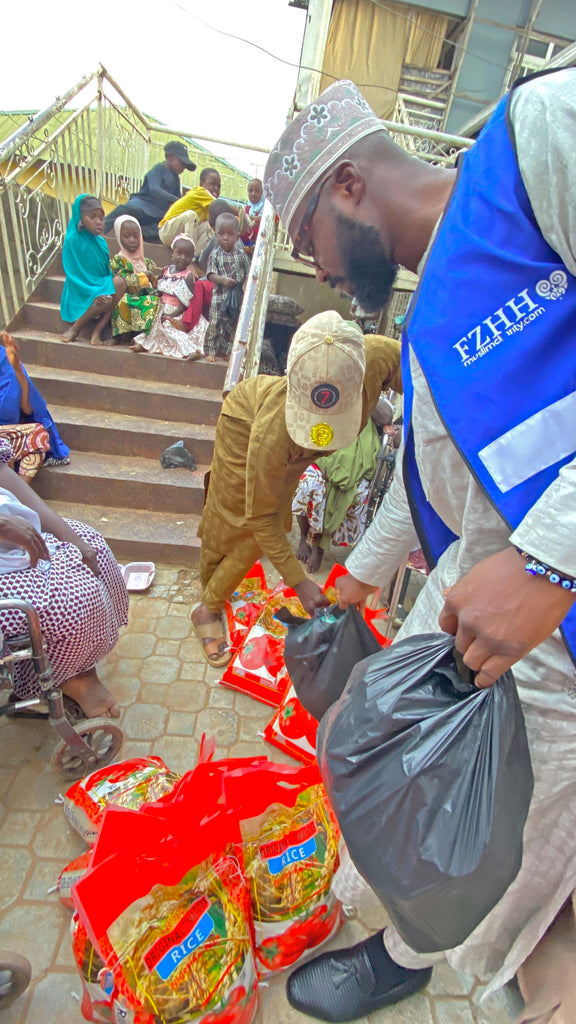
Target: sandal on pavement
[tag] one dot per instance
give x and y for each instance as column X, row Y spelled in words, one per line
column 212, row 631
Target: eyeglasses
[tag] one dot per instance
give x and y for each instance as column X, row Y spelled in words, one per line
column 307, row 257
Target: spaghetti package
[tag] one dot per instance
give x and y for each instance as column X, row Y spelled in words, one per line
column 256, row 668
column 126, row 784
column 289, row 842
column 68, row 877
column 245, row 605
column 173, row 933
column 292, row 728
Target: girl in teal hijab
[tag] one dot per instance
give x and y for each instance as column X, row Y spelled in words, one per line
column 90, row 291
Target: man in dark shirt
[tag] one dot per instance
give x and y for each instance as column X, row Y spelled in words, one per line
column 161, row 186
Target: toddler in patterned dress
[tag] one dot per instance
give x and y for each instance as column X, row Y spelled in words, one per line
column 227, row 268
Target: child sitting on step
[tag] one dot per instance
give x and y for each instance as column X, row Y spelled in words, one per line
column 168, row 335
column 227, row 268
column 137, row 309
column 90, row 291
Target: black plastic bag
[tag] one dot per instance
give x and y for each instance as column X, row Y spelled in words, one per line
column 321, row 652
column 177, row 457
column 232, row 302
column 431, row 780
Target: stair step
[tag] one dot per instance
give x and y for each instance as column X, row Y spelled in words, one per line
column 141, row 536
column 154, row 399
column 46, row 349
column 131, row 482
column 112, row 433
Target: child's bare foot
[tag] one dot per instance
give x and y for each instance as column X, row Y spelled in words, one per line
column 96, row 338
column 315, row 559
column 135, row 347
column 210, row 359
column 95, row 700
column 69, row 335
column 304, row 550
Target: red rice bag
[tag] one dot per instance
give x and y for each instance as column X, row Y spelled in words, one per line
column 71, row 874
column 127, row 784
column 169, row 917
column 100, row 998
column 292, row 728
column 256, row 668
column 245, row 605
column 289, row 853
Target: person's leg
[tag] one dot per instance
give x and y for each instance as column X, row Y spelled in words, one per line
column 112, row 217
column 119, row 290
column 96, row 310
column 315, row 559
column 129, row 209
column 150, row 231
column 90, row 693
column 220, row 575
column 303, row 552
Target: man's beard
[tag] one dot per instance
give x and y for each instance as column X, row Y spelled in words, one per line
column 366, row 267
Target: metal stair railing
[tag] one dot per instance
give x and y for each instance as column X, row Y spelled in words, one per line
column 100, row 147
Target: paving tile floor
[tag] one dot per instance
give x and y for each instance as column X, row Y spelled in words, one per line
column 169, row 697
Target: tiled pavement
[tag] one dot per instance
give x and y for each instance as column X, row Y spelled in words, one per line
column 169, row 697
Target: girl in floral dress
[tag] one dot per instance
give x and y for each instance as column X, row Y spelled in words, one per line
column 168, row 335
column 136, row 309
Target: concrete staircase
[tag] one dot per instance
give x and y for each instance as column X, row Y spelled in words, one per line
column 118, row 411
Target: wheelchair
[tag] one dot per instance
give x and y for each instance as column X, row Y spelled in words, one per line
column 85, row 745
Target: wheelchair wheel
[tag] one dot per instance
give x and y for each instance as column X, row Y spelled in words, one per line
column 15, row 974
column 102, row 735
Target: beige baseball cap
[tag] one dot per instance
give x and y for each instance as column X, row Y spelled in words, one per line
column 325, row 373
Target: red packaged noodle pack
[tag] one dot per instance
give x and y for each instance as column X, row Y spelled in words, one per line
column 68, row 877
column 126, row 784
column 292, row 728
column 173, row 931
column 289, row 853
column 256, row 668
column 245, row 605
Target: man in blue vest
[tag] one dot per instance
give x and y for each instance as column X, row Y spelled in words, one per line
column 489, row 481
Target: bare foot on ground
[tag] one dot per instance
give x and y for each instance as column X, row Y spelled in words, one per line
column 315, row 560
column 69, row 335
column 95, row 700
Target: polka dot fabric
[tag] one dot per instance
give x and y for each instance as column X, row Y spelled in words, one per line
column 80, row 614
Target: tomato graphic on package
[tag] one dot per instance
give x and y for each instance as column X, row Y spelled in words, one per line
column 253, row 654
column 295, row 722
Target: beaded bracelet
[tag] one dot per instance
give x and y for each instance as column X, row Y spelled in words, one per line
column 535, row 568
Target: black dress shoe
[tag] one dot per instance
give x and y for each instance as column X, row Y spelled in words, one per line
column 351, row 983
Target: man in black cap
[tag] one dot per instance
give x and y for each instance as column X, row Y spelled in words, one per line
column 161, row 186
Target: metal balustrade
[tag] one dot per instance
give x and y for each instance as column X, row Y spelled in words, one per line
column 103, row 146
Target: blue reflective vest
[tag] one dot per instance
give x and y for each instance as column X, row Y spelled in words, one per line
column 493, row 326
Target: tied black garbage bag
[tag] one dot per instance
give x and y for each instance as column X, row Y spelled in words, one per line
column 320, row 653
column 431, row 780
column 177, row 457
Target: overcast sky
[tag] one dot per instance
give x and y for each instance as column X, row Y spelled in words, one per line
column 170, row 64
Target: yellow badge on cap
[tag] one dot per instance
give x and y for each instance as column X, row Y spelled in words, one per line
column 328, row 339
column 321, row 434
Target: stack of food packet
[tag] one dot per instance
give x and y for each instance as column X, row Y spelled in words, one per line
column 184, row 903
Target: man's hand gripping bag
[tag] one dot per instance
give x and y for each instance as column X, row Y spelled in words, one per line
column 431, row 781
